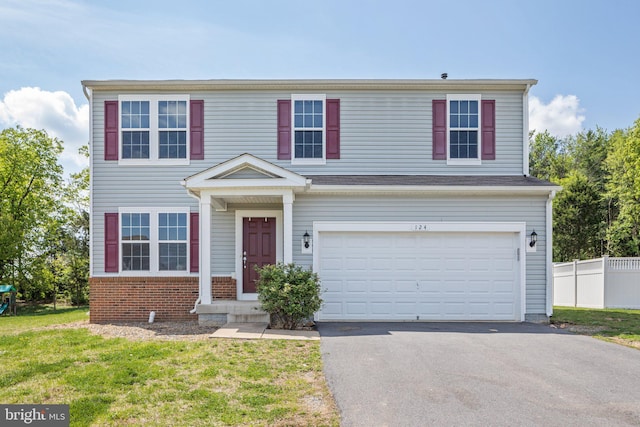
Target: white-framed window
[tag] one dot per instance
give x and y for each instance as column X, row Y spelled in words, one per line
column 154, row 240
column 463, row 129
column 154, row 129
column 308, row 136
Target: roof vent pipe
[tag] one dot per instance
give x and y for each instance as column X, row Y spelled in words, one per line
column 444, row 76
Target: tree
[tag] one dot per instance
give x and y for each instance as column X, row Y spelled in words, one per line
column 577, row 220
column 623, row 186
column 30, row 179
column 588, row 151
column 548, row 159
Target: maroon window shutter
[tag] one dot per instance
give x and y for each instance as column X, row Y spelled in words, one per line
column 439, row 107
column 197, row 129
column 194, row 241
column 333, row 129
column 111, row 130
column 488, row 129
column 284, row 129
column 111, row 242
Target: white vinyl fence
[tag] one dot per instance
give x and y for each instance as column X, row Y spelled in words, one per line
column 597, row 283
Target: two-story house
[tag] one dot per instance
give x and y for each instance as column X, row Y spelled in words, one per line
column 410, row 198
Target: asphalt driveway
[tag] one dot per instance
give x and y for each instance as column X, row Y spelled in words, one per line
column 499, row 374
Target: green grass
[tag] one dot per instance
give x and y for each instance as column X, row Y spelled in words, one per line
column 618, row 325
column 38, row 316
column 158, row 383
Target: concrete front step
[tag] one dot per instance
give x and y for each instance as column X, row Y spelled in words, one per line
column 220, row 312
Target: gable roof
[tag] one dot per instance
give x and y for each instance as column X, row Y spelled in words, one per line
column 245, row 170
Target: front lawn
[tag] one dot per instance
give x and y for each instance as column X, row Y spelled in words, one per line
column 617, row 325
column 115, row 381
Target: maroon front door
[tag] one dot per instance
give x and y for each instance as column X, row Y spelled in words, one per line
column 259, row 248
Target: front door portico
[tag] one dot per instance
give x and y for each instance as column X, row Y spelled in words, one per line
column 245, row 180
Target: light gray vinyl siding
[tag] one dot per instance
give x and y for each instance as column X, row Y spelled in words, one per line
column 223, row 242
column 382, row 132
column 308, row 208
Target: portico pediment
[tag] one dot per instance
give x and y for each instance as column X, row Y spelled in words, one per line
column 244, row 172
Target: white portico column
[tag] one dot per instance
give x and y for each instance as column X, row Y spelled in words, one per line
column 287, row 220
column 205, row 248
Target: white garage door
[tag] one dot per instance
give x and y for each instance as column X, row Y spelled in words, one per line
column 419, row 276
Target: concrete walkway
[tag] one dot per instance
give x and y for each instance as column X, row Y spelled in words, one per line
column 253, row 331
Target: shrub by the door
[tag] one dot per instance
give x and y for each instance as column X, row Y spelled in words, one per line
column 289, row 293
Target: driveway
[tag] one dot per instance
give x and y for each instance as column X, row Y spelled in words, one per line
column 499, row 374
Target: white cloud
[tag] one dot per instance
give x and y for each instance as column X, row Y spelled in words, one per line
column 561, row 117
column 56, row 113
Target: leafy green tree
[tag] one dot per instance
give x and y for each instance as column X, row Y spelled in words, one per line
column 30, row 180
column 577, row 220
column 623, row 186
column 548, row 159
column 588, row 151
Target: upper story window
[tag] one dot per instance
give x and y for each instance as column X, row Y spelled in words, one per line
column 154, row 240
column 463, row 123
column 154, row 128
column 309, row 134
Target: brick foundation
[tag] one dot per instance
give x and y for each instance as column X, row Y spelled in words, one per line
column 131, row 299
column 224, row 288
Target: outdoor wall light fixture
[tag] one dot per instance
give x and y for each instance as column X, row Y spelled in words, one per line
column 534, row 238
column 305, row 239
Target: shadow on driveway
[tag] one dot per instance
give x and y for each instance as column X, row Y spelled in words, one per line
column 339, row 329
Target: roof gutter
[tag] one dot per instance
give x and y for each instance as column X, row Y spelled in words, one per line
column 311, row 84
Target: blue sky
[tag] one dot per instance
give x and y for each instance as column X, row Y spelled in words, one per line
column 585, row 54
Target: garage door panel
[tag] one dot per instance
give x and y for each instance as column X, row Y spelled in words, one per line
column 332, row 310
column 453, row 264
column 380, row 263
column 381, row 286
column 355, row 308
column 356, row 286
column 407, row 264
column 425, row 276
column 382, row 309
column 405, row 287
column 354, row 264
column 329, row 264
column 332, row 286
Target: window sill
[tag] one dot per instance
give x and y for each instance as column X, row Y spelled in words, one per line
column 308, row 161
column 154, row 162
column 138, row 273
column 464, row 162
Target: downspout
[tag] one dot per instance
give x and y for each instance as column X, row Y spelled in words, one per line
column 525, row 131
column 199, row 300
column 549, row 253
column 89, row 95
